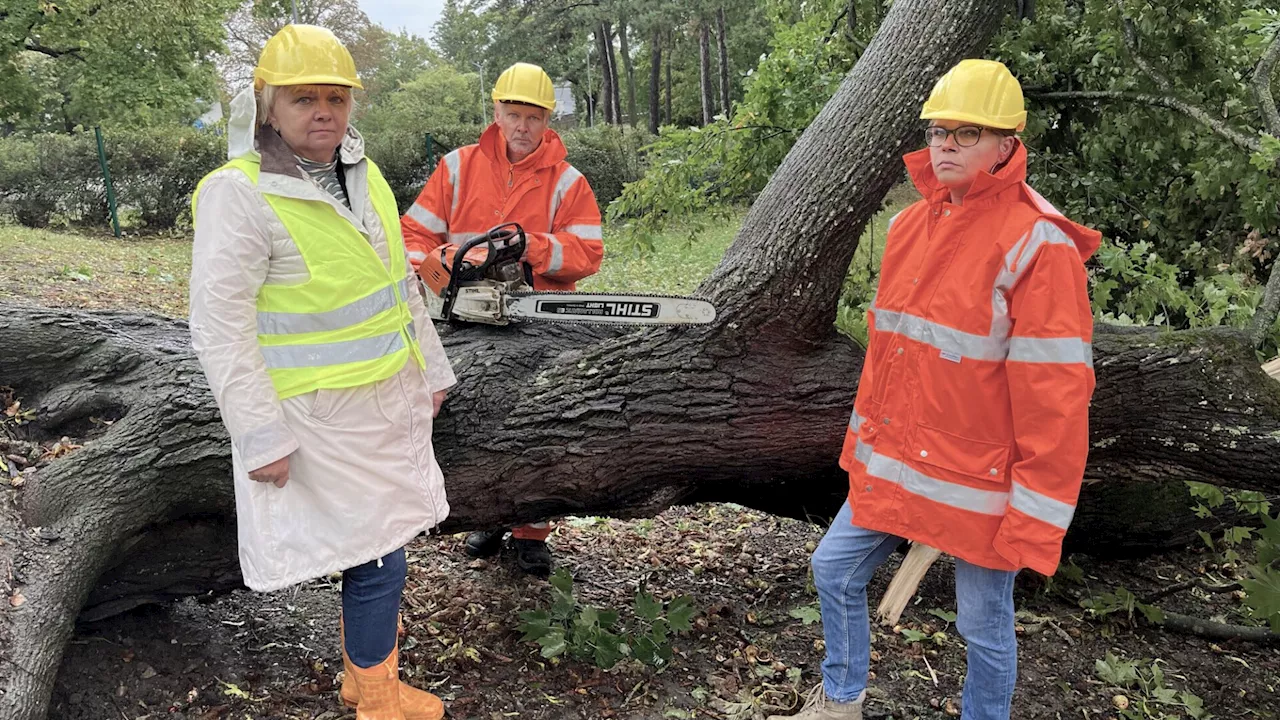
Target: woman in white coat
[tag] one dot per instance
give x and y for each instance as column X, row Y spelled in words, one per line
column 308, row 322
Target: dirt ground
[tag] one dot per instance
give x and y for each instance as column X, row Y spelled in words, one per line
column 755, row 647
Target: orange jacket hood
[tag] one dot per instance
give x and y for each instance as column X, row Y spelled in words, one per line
column 988, row 188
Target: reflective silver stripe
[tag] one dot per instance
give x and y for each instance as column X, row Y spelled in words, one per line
column 986, row 502
column 567, row 180
column 1050, row 350
column 413, row 331
column 322, row 354
column 427, row 219
column 1016, row 262
column 283, row 323
column 997, row 346
column 1024, row 251
column 417, row 256
column 453, row 161
column 855, row 421
column 461, row 237
column 945, row 339
column 1042, row 507
column 557, row 255
column 862, row 452
column 891, row 220
column 586, row 232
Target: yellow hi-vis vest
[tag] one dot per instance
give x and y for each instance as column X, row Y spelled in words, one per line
column 349, row 324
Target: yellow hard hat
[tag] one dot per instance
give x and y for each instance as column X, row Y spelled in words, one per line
column 525, row 83
column 982, row 92
column 305, row 55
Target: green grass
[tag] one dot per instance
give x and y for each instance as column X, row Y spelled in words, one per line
column 675, row 265
column 63, row 269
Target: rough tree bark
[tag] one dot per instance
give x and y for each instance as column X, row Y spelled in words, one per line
column 671, row 47
column 723, row 52
column 605, row 40
column 629, row 68
column 704, row 72
column 554, row 420
column 615, row 81
column 655, row 80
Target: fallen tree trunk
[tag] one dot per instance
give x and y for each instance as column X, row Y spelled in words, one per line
column 554, row 420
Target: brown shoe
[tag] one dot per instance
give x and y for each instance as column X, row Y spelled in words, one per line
column 820, row 707
column 414, row 704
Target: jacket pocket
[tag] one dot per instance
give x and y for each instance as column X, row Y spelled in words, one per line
column 966, row 456
column 323, row 405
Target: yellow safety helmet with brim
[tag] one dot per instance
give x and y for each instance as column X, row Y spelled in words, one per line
column 305, row 55
column 525, row 83
column 982, row 92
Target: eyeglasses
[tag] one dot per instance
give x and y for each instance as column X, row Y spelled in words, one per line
column 966, row 135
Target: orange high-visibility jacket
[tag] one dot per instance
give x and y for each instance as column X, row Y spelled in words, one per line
column 971, row 422
column 475, row 188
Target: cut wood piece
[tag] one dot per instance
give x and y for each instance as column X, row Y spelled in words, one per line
column 903, row 586
column 1272, row 367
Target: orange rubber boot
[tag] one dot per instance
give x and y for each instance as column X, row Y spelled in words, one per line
column 415, row 704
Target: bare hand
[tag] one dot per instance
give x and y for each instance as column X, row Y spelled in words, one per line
column 437, row 399
column 276, row 473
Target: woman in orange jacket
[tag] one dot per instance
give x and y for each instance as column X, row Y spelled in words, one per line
column 970, row 426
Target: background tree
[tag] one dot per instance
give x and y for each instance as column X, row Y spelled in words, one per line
column 723, row 55
column 704, row 71
column 124, row 62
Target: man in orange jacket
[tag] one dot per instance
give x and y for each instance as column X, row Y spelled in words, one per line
column 516, row 173
column 971, row 425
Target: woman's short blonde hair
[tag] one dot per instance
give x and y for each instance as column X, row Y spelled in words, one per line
column 266, row 97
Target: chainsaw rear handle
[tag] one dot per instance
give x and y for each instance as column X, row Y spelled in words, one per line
column 499, row 248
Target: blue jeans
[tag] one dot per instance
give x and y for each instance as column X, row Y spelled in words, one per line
column 843, row 564
column 371, row 608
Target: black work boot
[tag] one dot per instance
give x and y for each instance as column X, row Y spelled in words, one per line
column 485, row 543
column 532, row 556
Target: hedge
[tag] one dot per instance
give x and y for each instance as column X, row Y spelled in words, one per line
column 55, row 179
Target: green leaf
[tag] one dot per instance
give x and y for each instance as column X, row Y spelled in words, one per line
column 562, row 582
column 534, row 625
column 808, row 614
column 943, row 615
column 1268, row 543
column 588, row 617
column 680, row 614
column 1262, row 593
column 1152, row 613
column 552, row 643
column 646, row 607
column 1194, row 705
column 1116, row 671
column 607, row 618
column 1211, row 494
column 1236, row 535
column 609, row 650
column 914, row 636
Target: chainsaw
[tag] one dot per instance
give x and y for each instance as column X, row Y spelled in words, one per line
column 484, row 280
